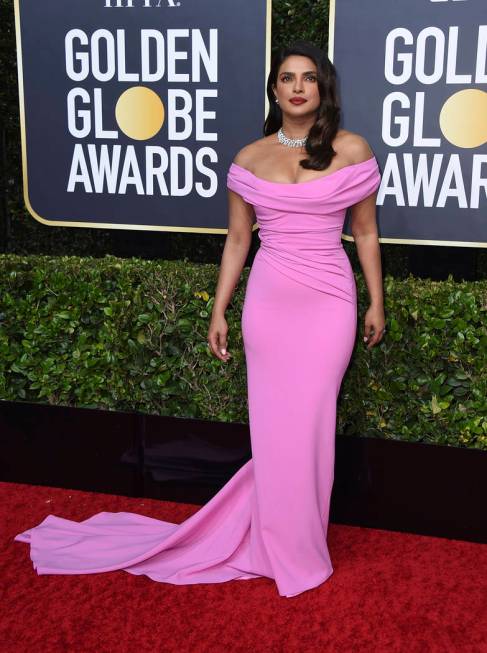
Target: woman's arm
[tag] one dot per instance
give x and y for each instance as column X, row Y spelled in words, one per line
column 364, row 231
column 237, row 245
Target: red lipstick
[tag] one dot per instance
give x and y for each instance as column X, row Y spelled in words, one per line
column 297, row 100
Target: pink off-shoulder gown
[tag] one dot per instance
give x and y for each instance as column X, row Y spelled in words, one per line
column 299, row 324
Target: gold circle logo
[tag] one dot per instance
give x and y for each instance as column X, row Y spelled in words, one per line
column 139, row 113
column 463, row 118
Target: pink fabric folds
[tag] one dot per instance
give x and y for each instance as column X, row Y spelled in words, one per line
column 300, row 224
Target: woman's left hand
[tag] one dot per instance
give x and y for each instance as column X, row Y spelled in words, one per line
column 374, row 327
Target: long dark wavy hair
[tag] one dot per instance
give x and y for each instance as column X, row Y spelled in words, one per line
column 323, row 131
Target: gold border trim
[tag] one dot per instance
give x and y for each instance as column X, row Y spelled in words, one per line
column 108, row 225
column 404, row 241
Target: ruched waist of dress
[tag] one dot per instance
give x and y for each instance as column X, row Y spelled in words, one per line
column 326, row 269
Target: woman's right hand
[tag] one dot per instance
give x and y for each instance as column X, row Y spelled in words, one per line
column 217, row 337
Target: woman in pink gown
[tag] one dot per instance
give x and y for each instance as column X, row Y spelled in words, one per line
column 299, row 324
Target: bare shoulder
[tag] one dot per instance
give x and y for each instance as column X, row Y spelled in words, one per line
column 352, row 147
column 246, row 156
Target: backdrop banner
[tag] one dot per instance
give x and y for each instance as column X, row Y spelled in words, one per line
column 132, row 110
column 413, row 77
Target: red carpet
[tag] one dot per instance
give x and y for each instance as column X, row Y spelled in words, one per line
column 390, row 592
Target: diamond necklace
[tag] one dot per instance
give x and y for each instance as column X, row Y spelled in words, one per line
column 290, row 142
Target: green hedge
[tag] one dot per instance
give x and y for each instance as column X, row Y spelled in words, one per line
column 130, row 334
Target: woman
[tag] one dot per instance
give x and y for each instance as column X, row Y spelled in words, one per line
column 299, row 315
column 299, row 326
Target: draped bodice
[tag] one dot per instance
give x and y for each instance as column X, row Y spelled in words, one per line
column 300, row 224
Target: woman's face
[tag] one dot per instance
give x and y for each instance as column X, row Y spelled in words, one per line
column 296, row 77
